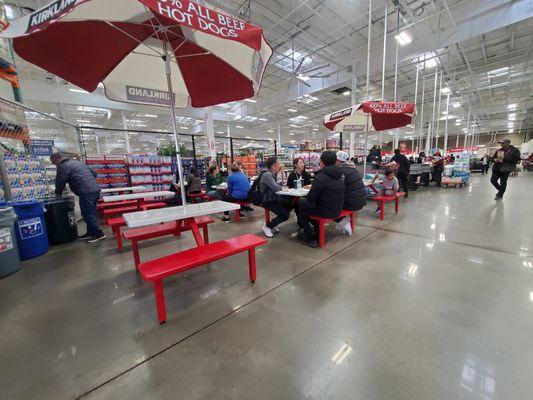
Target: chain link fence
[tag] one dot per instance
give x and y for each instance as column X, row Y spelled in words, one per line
column 27, row 138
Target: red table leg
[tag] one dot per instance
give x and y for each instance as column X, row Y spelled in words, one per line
column 381, row 210
column 251, row 265
column 396, row 201
column 321, row 234
column 136, row 256
column 195, row 231
column 160, row 301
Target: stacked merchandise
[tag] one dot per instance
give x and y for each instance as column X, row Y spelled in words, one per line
column 457, row 174
column 286, row 160
column 153, row 172
column 111, row 171
column 311, row 159
column 249, row 165
column 187, row 163
column 30, row 177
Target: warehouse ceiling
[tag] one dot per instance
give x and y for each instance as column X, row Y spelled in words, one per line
column 489, row 75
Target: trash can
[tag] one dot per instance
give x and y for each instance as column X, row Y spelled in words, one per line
column 9, row 252
column 30, row 229
column 60, row 220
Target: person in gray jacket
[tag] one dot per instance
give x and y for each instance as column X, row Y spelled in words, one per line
column 82, row 181
column 270, row 200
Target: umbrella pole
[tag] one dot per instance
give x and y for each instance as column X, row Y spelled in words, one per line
column 174, row 124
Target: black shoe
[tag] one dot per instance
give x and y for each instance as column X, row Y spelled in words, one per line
column 241, row 214
column 87, row 236
column 225, row 218
column 97, row 238
column 311, row 243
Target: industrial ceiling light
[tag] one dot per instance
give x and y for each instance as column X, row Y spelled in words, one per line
column 511, row 130
column 458, row 120
column 456, row 104
column 511, row 106
column 512, row 117
column 292, row 110
column 302, row 77
column 431, row 63
column 262, row 119
column 347, row 93
column 498, row 72
column 239, row 126
column 403, row 38
column 445, row 90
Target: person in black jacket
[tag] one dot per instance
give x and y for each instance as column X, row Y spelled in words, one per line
column 82, row 181
column 404, row 168
column 325, row 199
column 505, row 160
column 299, row 172
column 355, row 195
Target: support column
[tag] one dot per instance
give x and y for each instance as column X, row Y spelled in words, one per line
column 279, row 137
column 210, row 132
column 354, row 102
column 446, row 125
column 430, row 126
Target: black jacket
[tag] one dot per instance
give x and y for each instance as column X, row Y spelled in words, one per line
column 306, row 177
column 510, row 158
column 404, row 165
column 80, row 178
column 327, row 192
column 355, row 194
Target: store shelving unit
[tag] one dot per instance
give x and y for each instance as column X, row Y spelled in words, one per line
column 153, row 172
column 111, row 171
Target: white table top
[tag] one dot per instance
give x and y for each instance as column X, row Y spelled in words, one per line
column 137, row 196
column 222, row 186
column 294, row 192
column 169, row 214
column 123, row 189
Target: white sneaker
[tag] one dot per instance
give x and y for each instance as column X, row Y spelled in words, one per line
column 342, row 223
column 347, row 229
column 275, row 230
column 267, row 231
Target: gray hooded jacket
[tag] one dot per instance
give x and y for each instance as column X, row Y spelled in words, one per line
column 78, row 175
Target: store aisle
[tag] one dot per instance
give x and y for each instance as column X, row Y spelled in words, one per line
column 433, row 303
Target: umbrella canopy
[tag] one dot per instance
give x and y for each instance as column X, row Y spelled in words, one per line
column 385, row 115
column 215, row 58
column 208, row 57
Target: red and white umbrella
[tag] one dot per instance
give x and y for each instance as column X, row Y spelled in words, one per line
column 384, row 116
column 208, row 57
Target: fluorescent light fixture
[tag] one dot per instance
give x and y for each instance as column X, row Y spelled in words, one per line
column 231, row 113
column 292, row 110
column 220, row 132
column 248, row 137
column 512, row 117
column 403, row 38
column 347, row 93
column 456, row 104
column 291, row 134
column 184, row 127
column 83, row 121
column 237, row 117
column 498, row 72
column 78, row 91
column 294, row 126
column 431, row 63
column 458, row 120
column 250, row 100
column 303, row 78
column 511, row 106
column 315, row 129
column 151, row 116
column 457, row 124
column 239, row 126
column 445, row 112
column 510, row 124
column 511, row 130
column 270, row 131
column 262, row 119
column 445, row 90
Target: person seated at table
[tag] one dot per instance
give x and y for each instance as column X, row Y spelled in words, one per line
column 325, row 199
column 238, row 187
column 194, row 183
column 213, row 179
column 389, row 186
column 270, row 200
column 355, row 195
column 299, row 172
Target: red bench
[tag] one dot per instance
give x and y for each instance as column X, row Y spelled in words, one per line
column 194, row 197
column 154, row 231
column 113, row 204
column 156, row 270
column 323, row 221
column 386, row 198
column 115, row 224
column 113, row 212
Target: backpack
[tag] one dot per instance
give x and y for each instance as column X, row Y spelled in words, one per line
column 254, row 194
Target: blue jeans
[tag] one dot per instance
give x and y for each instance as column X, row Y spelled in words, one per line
column 88, row 203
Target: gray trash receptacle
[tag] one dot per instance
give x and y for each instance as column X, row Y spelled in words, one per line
column 9, row 252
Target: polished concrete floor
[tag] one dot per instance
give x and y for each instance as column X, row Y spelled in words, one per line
column 433, row 303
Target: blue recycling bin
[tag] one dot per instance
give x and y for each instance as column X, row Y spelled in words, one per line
column 30, row 229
